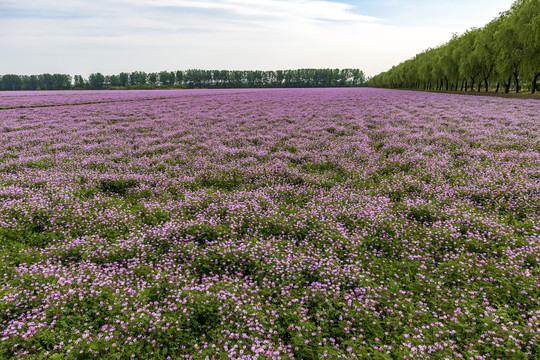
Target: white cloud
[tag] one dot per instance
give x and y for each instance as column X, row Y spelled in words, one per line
column 281, row 9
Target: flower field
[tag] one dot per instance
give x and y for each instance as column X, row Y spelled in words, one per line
column 269, row 224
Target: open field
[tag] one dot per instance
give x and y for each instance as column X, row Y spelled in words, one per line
column 269, row 224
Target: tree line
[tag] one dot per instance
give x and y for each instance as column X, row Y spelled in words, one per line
column 503, row 55
column 188, row 79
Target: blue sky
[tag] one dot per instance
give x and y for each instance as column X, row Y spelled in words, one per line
column 110, row 36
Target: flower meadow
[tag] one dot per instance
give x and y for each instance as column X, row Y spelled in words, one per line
column 269, row 224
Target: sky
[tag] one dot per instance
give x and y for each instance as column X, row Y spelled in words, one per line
column 111, row 36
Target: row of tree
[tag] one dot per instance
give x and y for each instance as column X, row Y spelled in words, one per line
column 189, row 79
column 36, row 82
column 504, row 54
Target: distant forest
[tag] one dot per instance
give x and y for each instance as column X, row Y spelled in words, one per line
column 214, row 79
column 503, row 55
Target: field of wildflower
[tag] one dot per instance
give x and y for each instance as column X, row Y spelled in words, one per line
column 269, row 224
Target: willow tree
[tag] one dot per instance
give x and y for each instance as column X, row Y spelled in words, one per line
column 424, row 68
column 469, row 63
column 409, row 74
column 525, row 19
column 448, row 64
column 437, row 71
column 510, row 52
column 458, row 54
column 484, row 51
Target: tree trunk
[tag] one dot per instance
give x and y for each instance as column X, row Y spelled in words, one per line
column 479, row 86
column 507, row 85
column 472, row 84
column 462, row 84
column 516, row 80
column 535, row 80
column 498, row 85
column 486, row 77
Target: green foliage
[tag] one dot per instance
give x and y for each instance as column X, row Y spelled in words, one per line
column 193, row 78
column 503, row 53
column 96, row 81
column 117, row 186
